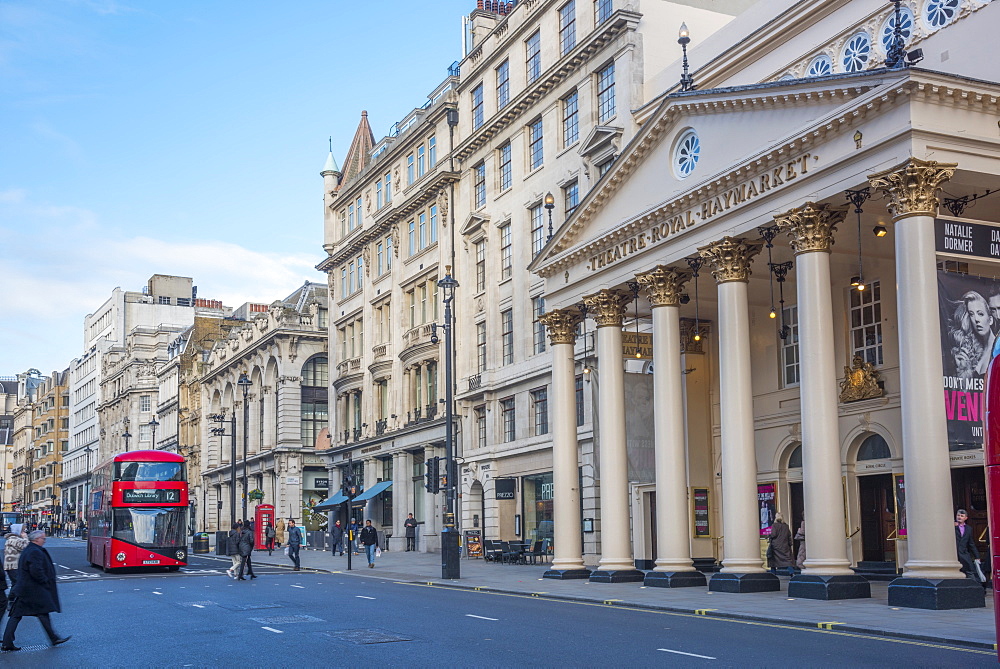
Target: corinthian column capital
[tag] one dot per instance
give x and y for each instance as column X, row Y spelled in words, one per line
column 912, row 187
column 730, row 258
column 561, row 325
column 607, row 306
column 663, row 285
column 810, row 226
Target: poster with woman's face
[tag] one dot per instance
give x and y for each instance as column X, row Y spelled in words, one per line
column 970, row 320
column 767, row 503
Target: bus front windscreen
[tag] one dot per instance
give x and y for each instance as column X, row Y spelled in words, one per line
column 151, row 528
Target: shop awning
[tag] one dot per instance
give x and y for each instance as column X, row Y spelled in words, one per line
column 374, row 490
column 332, row 503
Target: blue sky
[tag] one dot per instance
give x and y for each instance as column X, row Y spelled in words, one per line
column 183, row 137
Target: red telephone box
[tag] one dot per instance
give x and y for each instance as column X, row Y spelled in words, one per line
column 991, row 446
column 263, row 519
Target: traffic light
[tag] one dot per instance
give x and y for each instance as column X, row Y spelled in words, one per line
column 349, row 488
column 433, row 475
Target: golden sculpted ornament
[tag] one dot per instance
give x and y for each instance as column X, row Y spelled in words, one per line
column 861, row 381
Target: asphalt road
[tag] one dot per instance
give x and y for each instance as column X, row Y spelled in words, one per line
column 200, row 617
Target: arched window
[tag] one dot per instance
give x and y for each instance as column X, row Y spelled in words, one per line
column 874, row 448
column 315, row 391
column 795, row 459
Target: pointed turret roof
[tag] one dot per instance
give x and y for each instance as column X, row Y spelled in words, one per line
column 361, row 146
column 330, row 165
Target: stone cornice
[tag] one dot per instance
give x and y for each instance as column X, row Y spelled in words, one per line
column 355, row 242
column 869, row 96
column 620, row 22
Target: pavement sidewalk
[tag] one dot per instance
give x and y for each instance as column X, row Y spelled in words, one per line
column 968, row 627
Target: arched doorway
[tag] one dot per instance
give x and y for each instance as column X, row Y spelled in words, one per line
column 477, row 508
column 876, row 495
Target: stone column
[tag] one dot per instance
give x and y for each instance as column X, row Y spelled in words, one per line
column 567, row 563
column 617, row 565
column 674, row 568
column 827, row 573
column 743, row 569
column 931, row 577
column 400, row 500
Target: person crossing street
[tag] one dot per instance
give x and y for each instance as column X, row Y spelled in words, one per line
column 35, row 592
column 369, row 539
column 294, row 543
column 246, row 550
column 233, row 549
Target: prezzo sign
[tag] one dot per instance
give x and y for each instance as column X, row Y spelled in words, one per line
column 506, row 488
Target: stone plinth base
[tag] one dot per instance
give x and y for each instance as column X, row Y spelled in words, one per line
column 617, row 576
column 674, row 579
column 936, row 594
column 566, row 574
column 809, row 586
column 740, row 583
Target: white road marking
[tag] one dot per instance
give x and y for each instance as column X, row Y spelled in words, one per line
column 363, row 597
column 271, row 629
column 198, row 606
column 299, row 586
column 469, row 615
column 157, row 593
column 65, row 567
column 680, row 652
column 80, row 572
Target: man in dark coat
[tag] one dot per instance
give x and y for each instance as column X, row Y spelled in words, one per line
column 246, row 549
column 966, row 544
column 369, row 539
column 337, row 538
column 411, row 532
column 35, row 593
column 781, row 546
column 233, row 549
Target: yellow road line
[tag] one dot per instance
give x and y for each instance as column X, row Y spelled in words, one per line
column 828, row 626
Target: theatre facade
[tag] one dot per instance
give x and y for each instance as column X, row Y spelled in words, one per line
column 782, row 294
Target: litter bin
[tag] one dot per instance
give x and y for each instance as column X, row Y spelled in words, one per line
column 200, row 543
column 220, row 542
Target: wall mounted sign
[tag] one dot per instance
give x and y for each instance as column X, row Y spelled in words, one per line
column 700, row 513
column 641, row 342
column 965, row 238
column 767, row 500
column 506, row 488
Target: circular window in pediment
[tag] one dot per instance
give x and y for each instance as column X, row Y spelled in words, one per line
column 939, row 13
column 856, row 53
column 686, row 154
column 820, row 66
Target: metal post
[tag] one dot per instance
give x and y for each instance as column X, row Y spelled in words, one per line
column 450, row 563
column 246, row 419
column 351, row 487
column 232, row 471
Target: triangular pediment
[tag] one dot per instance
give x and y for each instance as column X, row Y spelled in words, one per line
column 739, row 132
column 603, row 139
column 474, row 222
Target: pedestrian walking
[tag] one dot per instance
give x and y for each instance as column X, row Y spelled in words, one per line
column 968, row 554
column 781, row 546
column 369, row 539
column 411, row 532
column 294, row 543
column 269, row 535
column 246, row 550
column 279, row 533
column 337, row 538
column 3, row 593
column 35, row 592
column 800, row 536
column 353, row 540
column 233, row 549
column 15, row 542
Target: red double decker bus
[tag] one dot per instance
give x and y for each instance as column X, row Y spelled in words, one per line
column 137, row 515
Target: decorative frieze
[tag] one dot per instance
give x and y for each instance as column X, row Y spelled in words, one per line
column 810, row 227
column 730, row 258
column 664, row 285
column 607, row 307
column 912, row 187
column 561, row 324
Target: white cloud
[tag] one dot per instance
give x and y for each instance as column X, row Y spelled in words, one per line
column 61, row 264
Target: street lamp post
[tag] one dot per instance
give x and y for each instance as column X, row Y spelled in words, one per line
column 245, row 384
column 220, row 431
column 153, row 424
column 450, row 564
column 684, row 38
column 550, row 204
column 126, row 434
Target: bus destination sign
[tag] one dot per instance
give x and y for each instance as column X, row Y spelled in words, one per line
column 160, row 496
